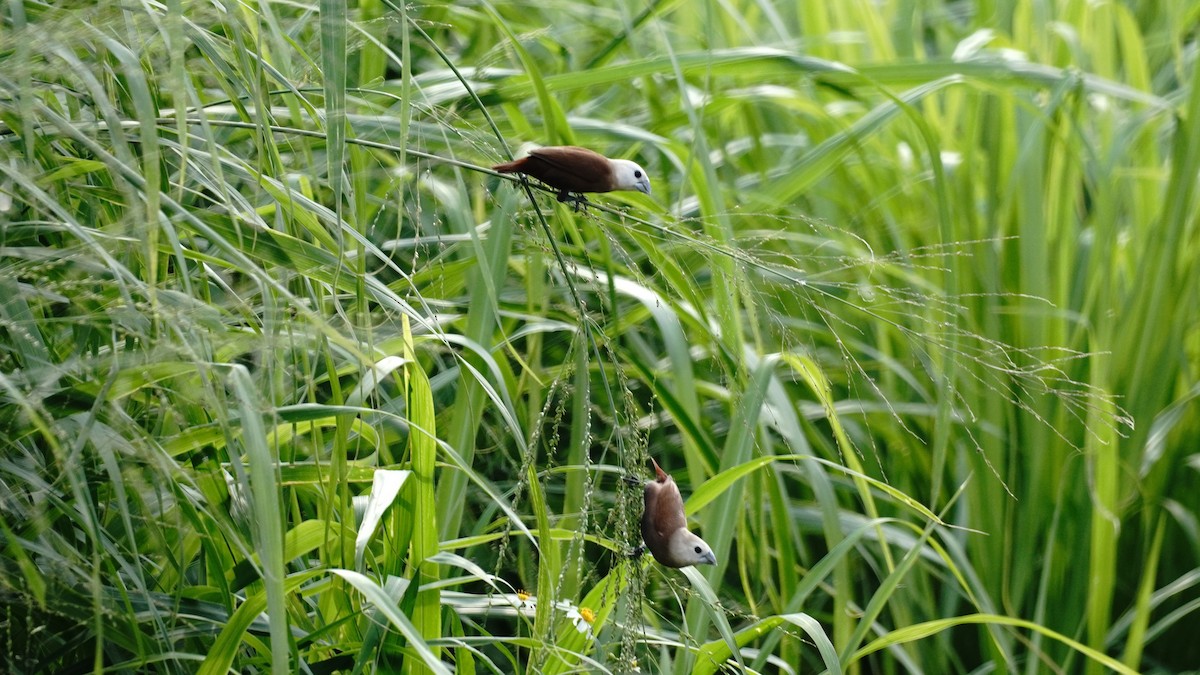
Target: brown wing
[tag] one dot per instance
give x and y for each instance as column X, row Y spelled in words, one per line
column 664, row 506
column 668, row 508
column 565, row 168
column 655, row 541
column 662, row 518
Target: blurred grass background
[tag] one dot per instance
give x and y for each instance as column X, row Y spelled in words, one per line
column 290, row 382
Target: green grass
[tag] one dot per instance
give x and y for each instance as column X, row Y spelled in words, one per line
column 290, row 381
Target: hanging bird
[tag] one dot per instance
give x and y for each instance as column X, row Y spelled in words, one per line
column 664, row 525
column 573, row 171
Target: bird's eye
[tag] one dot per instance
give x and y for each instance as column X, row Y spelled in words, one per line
column 697, row 549
column 637, row 174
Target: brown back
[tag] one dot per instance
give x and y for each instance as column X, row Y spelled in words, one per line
column 566, row 168
column 664, row 511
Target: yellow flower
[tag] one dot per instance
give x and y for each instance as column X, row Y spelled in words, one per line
column 581, row 617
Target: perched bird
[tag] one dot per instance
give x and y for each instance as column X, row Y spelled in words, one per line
column 664, row 525
column 573, row 171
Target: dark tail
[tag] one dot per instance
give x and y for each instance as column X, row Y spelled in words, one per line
column 508, row 167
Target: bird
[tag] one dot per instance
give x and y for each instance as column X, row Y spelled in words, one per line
column 664, row 525
column 573, row 171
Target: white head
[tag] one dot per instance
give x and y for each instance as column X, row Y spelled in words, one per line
column 630, row 176
column 688, row 549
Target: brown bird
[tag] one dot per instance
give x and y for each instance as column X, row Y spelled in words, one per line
column 664, row 525
column 573, row 170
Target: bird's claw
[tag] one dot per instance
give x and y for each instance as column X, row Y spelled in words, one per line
column 577, row 200
column 631, row 479
column 637, row 552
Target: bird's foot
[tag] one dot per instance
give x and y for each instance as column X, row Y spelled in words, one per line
column 577, row 199
column 637, row 552
column 631, row 479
